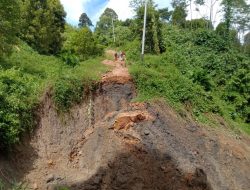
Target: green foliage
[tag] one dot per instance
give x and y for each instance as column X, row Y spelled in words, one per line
column 199, row 72
column 228, row 15
column 67, row 92
column 179, row 16
column 84, row 45
column 17, row 93
column 198, row 24
column 157, row 77
column 43, row 24
column 237, row 13
column 165, row 14
column 153, row 43
column 104, row 27
column 231, row 38
column 80, row 43
column 179, row 3
column 209, row 39
column 9, row 25
column 84, row 21
column 123, row 35
column 247, row 44
column 238, row 93
column 1, row 184
column 25, row 75
column 69, row 89
column 19, row 186
column 133, row 50
column 69, row 58
column 68, row 35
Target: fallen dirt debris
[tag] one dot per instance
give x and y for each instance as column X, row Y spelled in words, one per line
column 129, row 119
column 136, row 146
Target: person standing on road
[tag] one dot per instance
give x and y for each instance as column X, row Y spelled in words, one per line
column 123, row 55
column 116, row 56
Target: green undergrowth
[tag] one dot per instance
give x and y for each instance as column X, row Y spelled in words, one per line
column 198, row 72
column 157, row 78
column 26, row 75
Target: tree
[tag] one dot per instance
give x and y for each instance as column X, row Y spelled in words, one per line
column 9, row 25
column 104, row 26
column 231, row 37
column 228, row 16
column 123, row 35
column 84, row 21
column 241, row 18
column 153, row 43
column 179, row 16
column 165, row 14
column 84, row 44
column 238, row 13
column 43, row 25
column 179, row 3
column 180, row 13
column 247, row 44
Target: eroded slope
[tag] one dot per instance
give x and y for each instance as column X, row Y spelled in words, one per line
column 108, row 142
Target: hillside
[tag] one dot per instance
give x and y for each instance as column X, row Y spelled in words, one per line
column 158, row 101
column 109, row 142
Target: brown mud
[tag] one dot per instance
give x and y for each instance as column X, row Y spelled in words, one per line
column 108, row 142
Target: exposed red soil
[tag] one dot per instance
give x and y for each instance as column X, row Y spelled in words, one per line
column 119, row 73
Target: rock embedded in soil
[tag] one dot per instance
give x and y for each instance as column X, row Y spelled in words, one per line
column 146, row 132
column 50, row 178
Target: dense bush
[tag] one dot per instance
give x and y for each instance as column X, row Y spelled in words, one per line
column 69, row 58
column 198, row 69
column 17, row 98
column 43, row 23
column 209, row 39
column 157, row 78
column 9, row 25
column 67, row 92
column 82, row 43
column 132, row 50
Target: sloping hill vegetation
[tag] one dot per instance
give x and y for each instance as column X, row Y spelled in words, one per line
column 26, row 75
column 193, row 65
column 62, row 66
column 200, row 72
